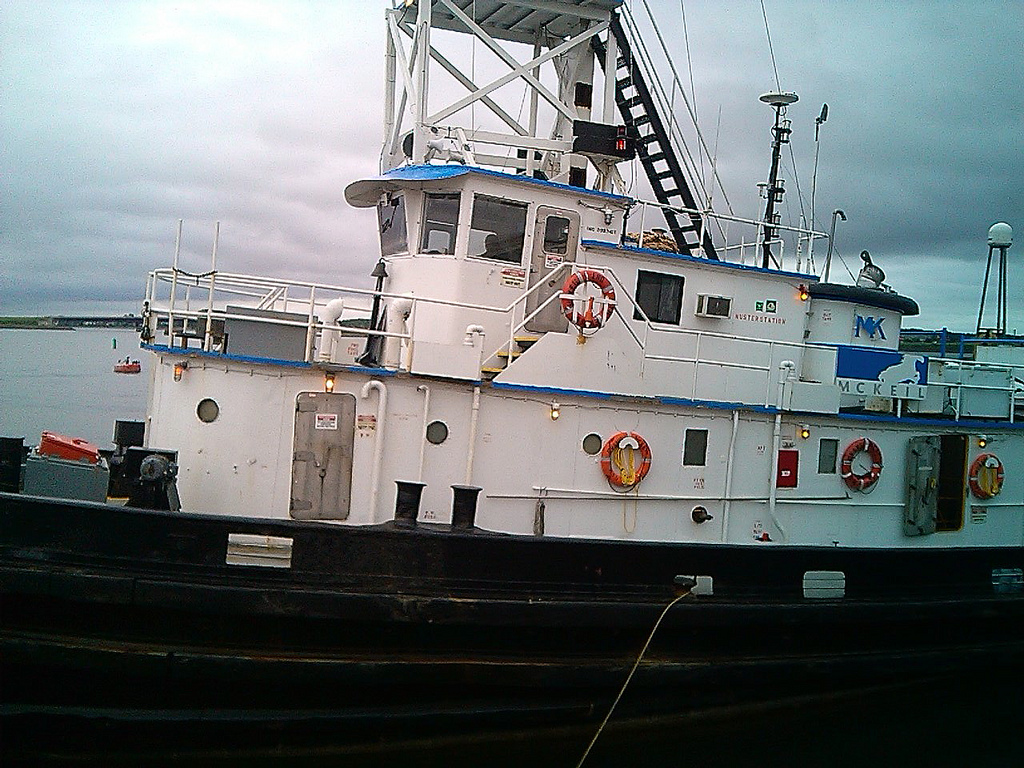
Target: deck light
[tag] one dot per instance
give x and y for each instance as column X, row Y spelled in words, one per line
column 556, row 411
column 804, row 293
column 805, row 431
column 180, row 368
column 328, row 382
column 982, row 441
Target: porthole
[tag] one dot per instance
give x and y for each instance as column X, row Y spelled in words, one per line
column 437, row 432
column 207, row 410
column 592, row 444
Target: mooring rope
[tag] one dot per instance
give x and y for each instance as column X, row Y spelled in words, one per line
column 629, row 677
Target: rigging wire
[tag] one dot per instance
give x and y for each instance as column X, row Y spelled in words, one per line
column 693, row 90
column 764, row 13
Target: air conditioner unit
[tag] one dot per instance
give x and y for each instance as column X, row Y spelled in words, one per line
column 713, row 306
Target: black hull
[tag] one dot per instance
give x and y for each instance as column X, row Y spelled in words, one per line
column 134, row 617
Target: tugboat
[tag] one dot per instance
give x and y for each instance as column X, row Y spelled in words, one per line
column 551, row 452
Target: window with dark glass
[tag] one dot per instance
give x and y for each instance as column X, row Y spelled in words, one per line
column 828, row 450
column 695, row 448
column 391, row 222
column 660, row 296
column 440, row 223
column 497, row 229
column 556, row 235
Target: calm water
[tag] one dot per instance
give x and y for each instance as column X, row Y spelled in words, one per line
column 64, row 381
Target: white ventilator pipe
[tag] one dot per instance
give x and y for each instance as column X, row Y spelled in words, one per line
column 329, row 339
column 378, row 440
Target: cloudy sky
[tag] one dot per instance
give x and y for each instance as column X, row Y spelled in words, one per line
column 119, row 118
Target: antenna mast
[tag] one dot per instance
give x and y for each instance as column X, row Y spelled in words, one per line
column 776, row 188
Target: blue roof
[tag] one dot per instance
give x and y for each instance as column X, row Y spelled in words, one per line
column 699, row 260
column 361, row 191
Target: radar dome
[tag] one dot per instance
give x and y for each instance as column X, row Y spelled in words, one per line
column 1000, row 235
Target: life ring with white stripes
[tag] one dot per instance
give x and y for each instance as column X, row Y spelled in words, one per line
column 618, row 461
column 986, row 476
column 588, row 318
column 861, row 481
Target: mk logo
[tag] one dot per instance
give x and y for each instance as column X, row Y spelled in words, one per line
column 870, row 325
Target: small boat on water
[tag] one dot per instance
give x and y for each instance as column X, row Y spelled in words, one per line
column 128, row 366
column 551, row 463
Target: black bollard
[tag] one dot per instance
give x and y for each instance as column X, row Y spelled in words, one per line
column 407, row 502
column 464, row 507
column 12, row 451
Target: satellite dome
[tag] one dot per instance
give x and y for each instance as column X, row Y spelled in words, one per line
column 1000, row 235
column 779, row 98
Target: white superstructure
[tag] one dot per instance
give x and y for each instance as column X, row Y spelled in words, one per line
column 759, row 406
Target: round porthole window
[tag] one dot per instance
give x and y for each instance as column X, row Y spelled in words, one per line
column 207, row 410
column 437, row 432
column 592, row 444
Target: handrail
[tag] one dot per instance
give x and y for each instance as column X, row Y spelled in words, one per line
column 803, row 234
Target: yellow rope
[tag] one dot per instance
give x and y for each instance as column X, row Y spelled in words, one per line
column 629, row 677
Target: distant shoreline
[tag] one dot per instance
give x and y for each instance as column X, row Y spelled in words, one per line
column 69, row 323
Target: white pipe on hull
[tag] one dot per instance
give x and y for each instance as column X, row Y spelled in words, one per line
column 423, row 435
column 472, row 330
column 728, row 475
column 786, row 369
column 378, row 440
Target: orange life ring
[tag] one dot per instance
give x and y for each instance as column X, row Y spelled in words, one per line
column 588, row 318
column 986, row 476
column 613, row 460
column 864, row 480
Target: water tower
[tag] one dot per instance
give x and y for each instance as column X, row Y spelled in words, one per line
column 1000, row 238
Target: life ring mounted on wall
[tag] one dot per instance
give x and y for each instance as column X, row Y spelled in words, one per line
column 619, row 460
column 589, row 318
column 986, row 476
column 868, row 476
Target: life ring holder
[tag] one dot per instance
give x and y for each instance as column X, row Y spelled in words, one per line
column 987, row 489
column 611, row 455
column 588, row 319
column 864, row 480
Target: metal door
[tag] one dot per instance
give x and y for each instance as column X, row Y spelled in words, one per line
column 556, row 236
column 924, row 456
column 322, row 455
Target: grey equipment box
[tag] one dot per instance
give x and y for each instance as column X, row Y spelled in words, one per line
column 65, row 478
column 264, row 335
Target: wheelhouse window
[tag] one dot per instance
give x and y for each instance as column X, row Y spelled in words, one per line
column 497, row 229
column 556, row 235
column 440, row 223
column 391, row 223
column 660, row 296
column 695, row 448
